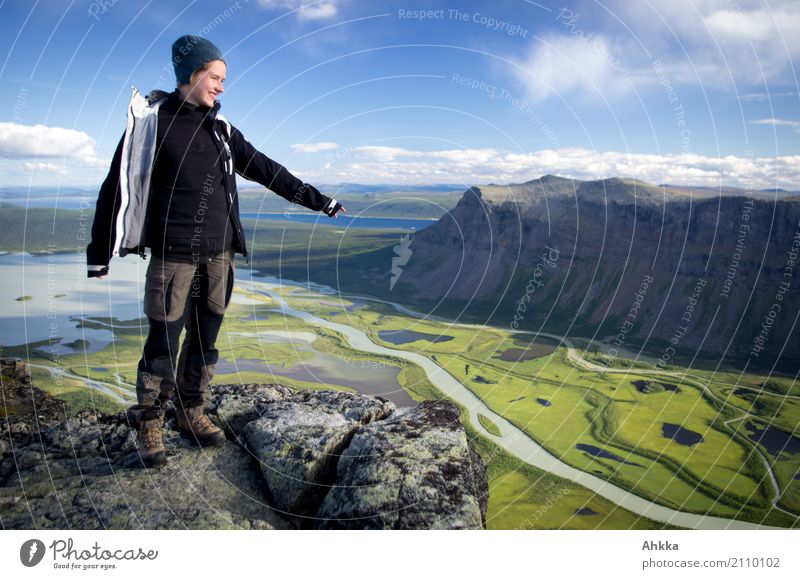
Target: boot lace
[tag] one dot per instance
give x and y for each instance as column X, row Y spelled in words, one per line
column 151, row 436
column 201, row 422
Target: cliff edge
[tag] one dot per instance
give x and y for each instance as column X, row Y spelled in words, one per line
column 307, row 459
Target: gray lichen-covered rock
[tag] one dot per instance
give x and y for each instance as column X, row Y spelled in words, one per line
column 235, row 405
column 414, row 470
column 298, row 441
column 292, row 459
column 85, row 473
column 198, row 489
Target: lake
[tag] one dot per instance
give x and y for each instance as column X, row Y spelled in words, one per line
column 57, row 294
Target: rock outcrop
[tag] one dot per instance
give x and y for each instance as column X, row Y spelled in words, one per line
column 298, row 444
column 391, row 469
column 309, row 459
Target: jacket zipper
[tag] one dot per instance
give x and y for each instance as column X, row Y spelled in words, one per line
column 223, row 148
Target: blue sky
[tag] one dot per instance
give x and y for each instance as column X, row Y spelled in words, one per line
column 670, row 91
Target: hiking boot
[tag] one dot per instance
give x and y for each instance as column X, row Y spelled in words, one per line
column 151, row 440
column 195, row 425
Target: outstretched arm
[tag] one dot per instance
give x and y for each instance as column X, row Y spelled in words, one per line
column 98, row 252
column 252, row 164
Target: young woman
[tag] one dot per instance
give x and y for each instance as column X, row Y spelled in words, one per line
column 172, row 187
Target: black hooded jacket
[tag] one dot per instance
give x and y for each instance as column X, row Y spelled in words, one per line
column 193, row 206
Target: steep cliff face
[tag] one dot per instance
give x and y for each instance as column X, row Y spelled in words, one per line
column 622, row 260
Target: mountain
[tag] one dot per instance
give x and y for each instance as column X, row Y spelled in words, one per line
column 681, row 271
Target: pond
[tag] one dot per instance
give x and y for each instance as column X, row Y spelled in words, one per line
column 653, row 387
column 482, row 380
column 341, row 305
column 254, row 318
column 365, row 376
column 600, row 453
column 680, row 434
column 398, row 337
column 530, row 351
column 773, row 439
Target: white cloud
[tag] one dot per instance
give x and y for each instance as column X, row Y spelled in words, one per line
column 306, row 10
column 715, row 41
column 476, row 166
column 467, row 157
column 763, row 96
column 756, row 42
column 383, row 154
column 778, row 123
column 579, row 63
column 42, row 155
column 314, row 147
column 607, row 51
column 753, row 26
column 49, row 168
column 318, row 11
column 36, row 141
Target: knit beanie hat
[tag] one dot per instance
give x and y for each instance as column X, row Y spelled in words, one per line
column 189, row 53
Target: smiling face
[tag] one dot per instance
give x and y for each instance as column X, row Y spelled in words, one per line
column 206, row 84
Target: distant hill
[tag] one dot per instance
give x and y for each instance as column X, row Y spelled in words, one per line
column 411, row 203
column 614, row 190
column 390, row 188
column 714, row 191
column 39, row 229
